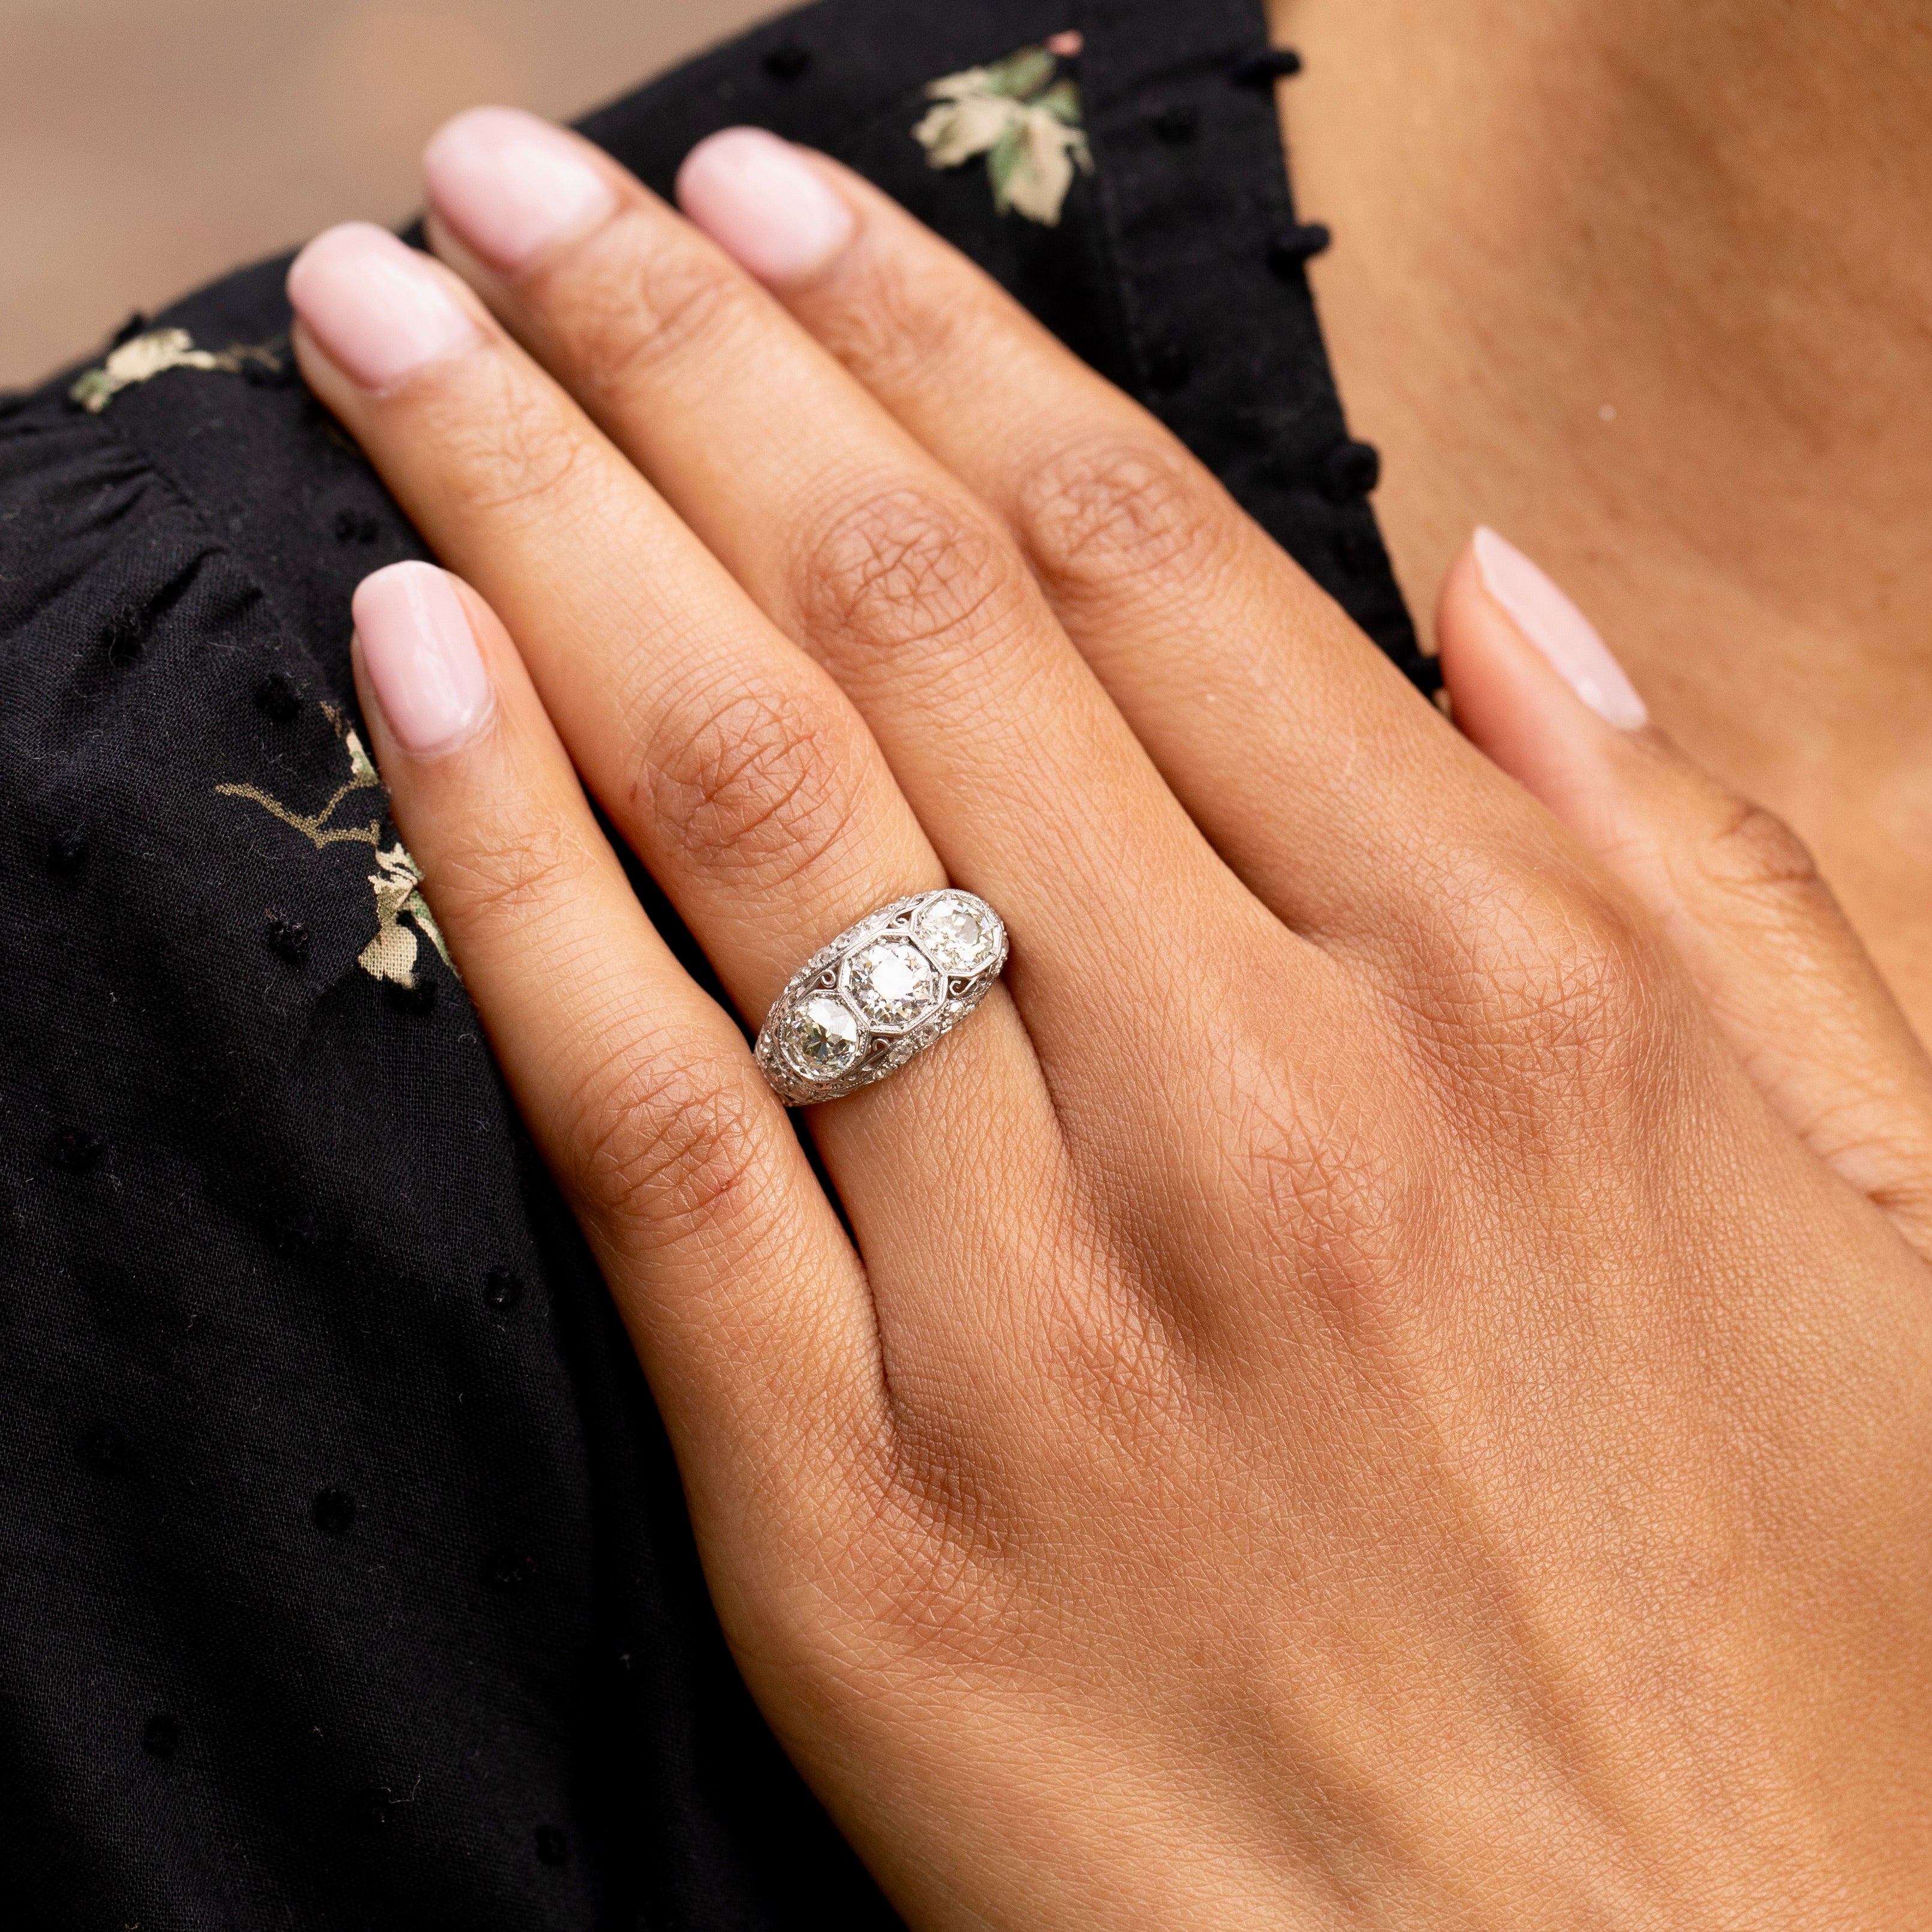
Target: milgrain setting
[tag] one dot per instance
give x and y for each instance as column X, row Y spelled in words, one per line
column 884, row 990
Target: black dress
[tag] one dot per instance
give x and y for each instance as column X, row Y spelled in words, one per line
column 345, row 1578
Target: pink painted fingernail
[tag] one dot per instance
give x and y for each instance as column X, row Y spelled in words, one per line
column 422, row 658
column 511, row 185
column 379, row 310
column 1559, row 631
column 763, row 203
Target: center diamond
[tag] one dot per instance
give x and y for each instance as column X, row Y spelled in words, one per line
column 893, row 983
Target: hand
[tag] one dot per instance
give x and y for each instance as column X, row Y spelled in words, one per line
column 1386, row 1378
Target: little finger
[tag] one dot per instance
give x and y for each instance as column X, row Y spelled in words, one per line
column 746, row 1304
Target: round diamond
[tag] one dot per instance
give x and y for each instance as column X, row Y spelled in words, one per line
column 823, row 1037
column 893, row 983
column 957, row 933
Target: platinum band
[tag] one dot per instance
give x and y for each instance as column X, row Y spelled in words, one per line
column 882, row 992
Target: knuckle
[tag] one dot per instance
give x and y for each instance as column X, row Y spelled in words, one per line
column 632, row 306
column 664, row 1140
column 1114, row 511
column 907, row 567
column 1338, row 1183
column 894, row 325
column 1575, row 974
column 510, row 871
column 1541, row 989
column 1752, row 851
column 759, row 781
column 510, row 453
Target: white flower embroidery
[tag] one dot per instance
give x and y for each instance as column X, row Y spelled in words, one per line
column 391, row 954
column 397, row 883
column 971, row 123
column 1026, row 123
column 153, row 354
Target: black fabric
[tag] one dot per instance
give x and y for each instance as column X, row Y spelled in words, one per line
column 345, row 1580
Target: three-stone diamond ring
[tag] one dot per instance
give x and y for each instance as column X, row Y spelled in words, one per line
column 882, row 992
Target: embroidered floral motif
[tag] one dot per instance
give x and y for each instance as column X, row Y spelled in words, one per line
column 397, row 881
column 160, row 349
column 391, row 954
column 1023, row 118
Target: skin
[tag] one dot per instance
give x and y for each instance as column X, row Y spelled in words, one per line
column 1435, row 1432
column 1711, row 220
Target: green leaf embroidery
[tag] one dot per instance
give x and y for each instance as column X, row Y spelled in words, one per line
column 1062, row 100
column 1025, row 122
column 1006, row 158
column 1021, row 74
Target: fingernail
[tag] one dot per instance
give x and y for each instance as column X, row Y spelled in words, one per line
column 422, row 658
column 1559, row 631
column 379, row 310
column 763, row 203
column 511, row 185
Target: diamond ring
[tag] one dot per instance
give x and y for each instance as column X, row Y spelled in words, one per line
column 882, row 992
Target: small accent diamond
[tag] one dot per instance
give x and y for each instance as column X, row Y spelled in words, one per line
column 893, row 983
column 822, row 1038
column 954, row 932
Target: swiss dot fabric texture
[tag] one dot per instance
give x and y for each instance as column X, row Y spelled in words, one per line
column 346, row 1583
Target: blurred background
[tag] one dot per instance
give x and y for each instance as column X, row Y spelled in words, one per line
column 147, row 145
